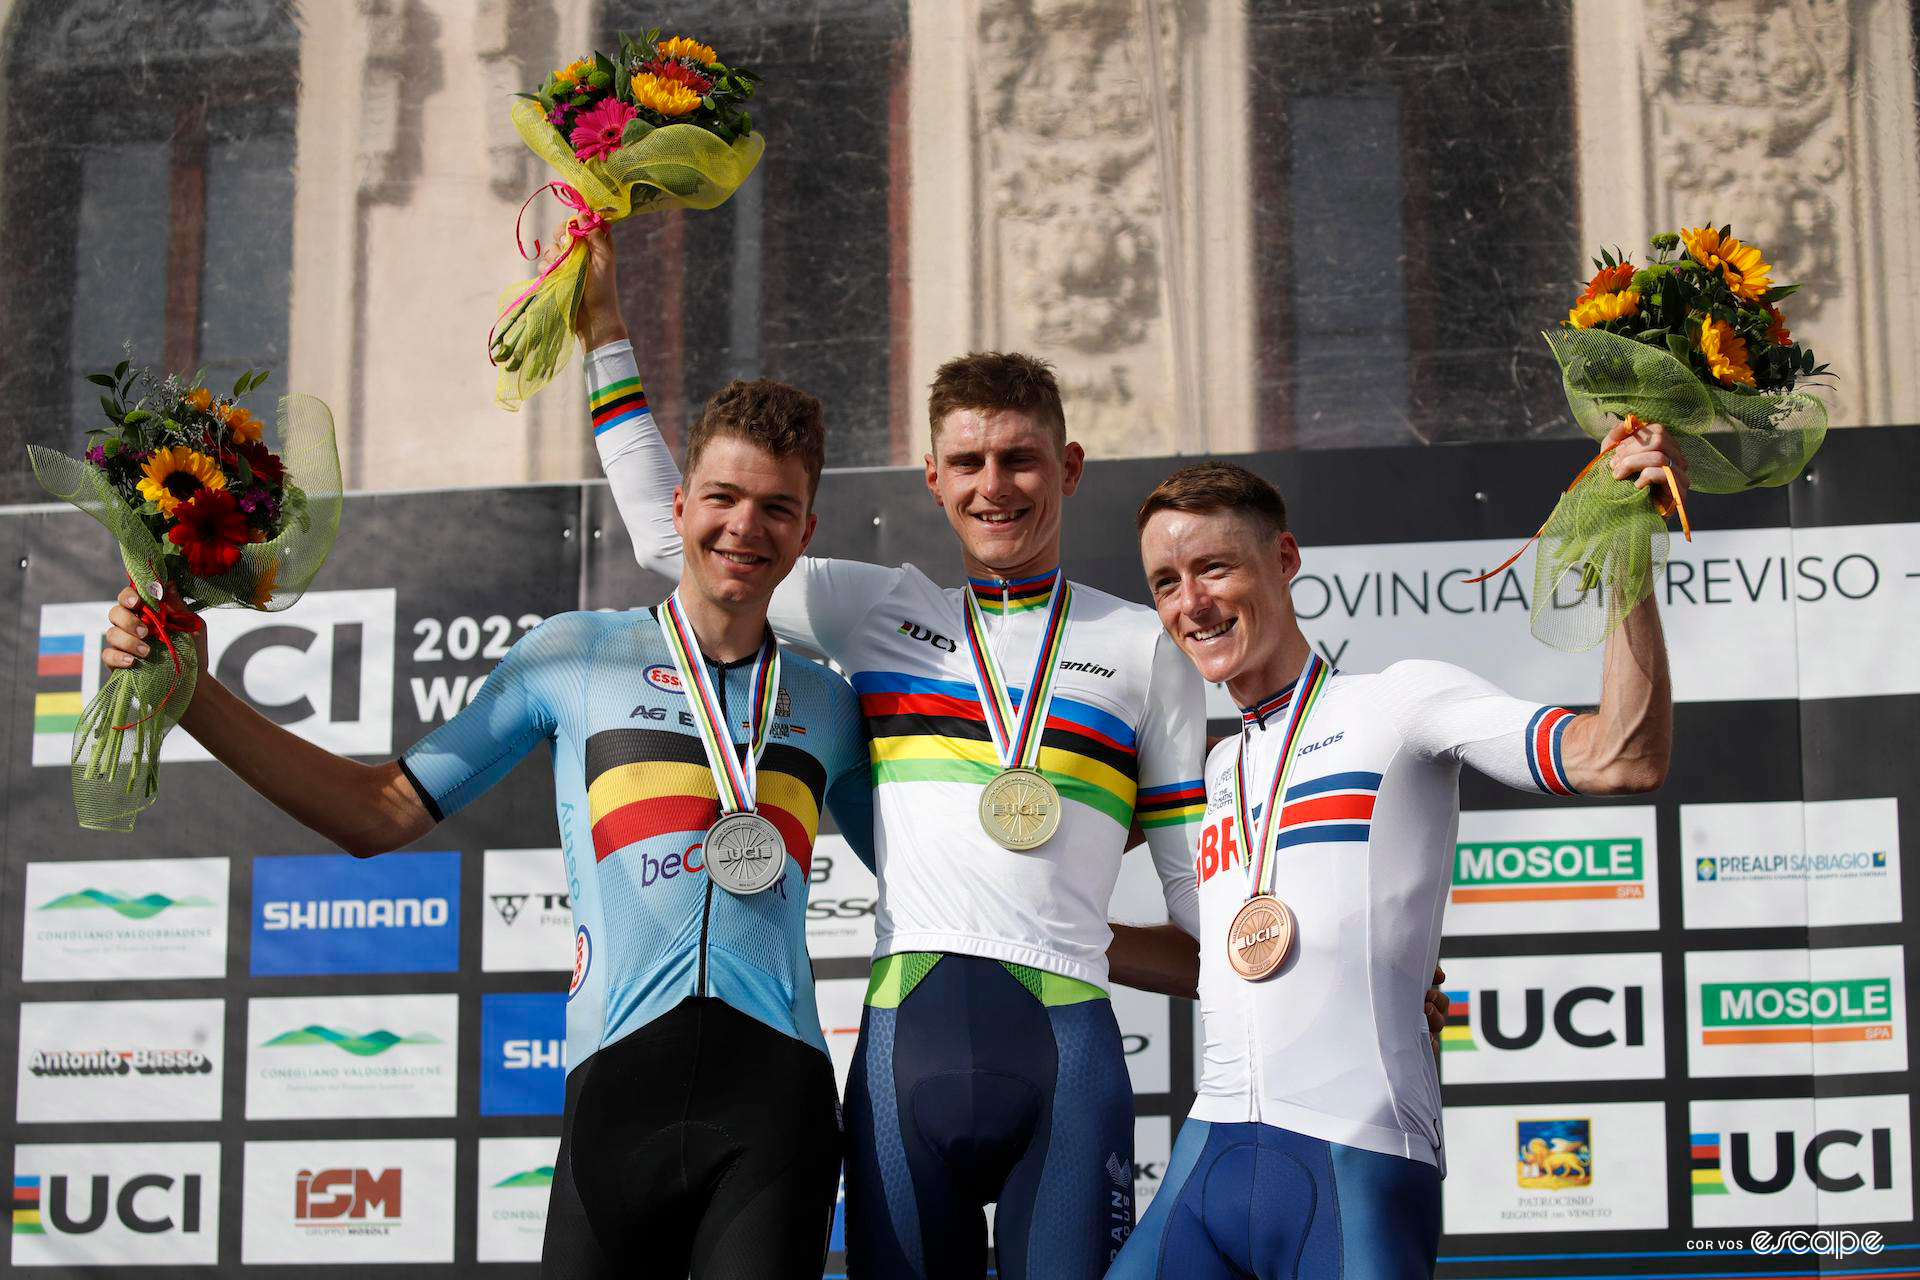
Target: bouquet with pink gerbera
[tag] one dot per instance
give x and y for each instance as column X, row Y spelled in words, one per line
column 664, row 126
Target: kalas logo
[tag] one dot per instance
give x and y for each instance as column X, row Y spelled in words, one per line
column 119, row 1062
column 1796, row 1011
column 1473, row 1019
column 663, row 677
column 346, row 1197
column 1558, row 871
column 144, row 907
column 141, row 1204
column 1554, row 1155
column 1832, row 1159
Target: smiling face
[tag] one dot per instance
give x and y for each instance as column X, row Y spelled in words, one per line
column 1002, row 477
column 744, row 516
column 1220, row 583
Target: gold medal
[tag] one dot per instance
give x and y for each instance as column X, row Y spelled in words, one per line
column 1020, row 809
column 1260, row 937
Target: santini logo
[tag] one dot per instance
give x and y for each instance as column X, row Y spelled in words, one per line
column 1089, row 668
column 356, row 913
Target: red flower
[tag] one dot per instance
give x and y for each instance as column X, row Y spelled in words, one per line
column 211, row 531
column 1607, row 280
column 265, row 464
column 680, row 73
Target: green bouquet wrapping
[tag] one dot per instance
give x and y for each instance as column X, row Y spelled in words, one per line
column 664, row 126
column 1697, row 344
column 203, row 500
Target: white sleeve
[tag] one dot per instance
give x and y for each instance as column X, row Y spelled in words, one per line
column 821, row 601
column 1172, row 797
column 1446, row 712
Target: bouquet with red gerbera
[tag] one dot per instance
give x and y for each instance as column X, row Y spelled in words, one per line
column 200, row 501
column 663, row 126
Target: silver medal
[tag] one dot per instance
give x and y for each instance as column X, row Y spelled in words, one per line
column 745, row 853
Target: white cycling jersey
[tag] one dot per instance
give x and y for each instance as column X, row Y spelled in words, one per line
column 1334, row 1045
column 1124, row 734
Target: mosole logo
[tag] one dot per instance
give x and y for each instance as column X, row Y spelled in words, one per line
column 1832, row 1160
column 330, row 913
column 121, row 1205
column 323, row 669
column 318, row 1057
column 1553, row 1018
column 1578, row 1166
column 1830, row 1011
column 1585, row 870
column 348, row 1202
column 141, row 919
column 1791, row 864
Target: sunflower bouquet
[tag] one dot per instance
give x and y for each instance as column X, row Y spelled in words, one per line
column 1694, row 339
column 210, row 501
column 662, row 126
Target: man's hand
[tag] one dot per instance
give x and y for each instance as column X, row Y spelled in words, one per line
column 598, row 321
column 1646, row 452
column 1437, row 1006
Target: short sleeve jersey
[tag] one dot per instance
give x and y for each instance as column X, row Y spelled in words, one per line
column 634, row 796
column 1334, row 1045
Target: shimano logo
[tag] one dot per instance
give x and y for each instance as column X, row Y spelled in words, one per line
column 356, row 913
column 915, row 631
column 1090, row 668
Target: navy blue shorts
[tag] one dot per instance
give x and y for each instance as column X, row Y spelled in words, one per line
column 975, row 1090
column 1254, row 1200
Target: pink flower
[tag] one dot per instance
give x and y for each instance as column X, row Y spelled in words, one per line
column 597, row 130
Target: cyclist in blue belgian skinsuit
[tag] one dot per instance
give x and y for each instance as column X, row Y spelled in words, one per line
column 701, row 1131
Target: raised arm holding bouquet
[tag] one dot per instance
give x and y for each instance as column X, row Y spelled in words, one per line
column 211, row 507
column 1693, row 340
column 664, row 126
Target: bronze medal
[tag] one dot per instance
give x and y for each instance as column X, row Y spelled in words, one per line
column 1260, row 937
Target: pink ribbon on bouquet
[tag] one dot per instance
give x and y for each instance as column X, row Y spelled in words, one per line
column 582, row 224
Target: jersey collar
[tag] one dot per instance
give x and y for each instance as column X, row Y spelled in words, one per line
column 1267, row 708
column 1017, row 595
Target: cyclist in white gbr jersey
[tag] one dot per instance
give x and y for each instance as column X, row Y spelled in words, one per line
column 1314, row 1149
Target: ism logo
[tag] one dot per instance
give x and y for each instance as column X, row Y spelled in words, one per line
column 1553, row 1155
column 346, row 1197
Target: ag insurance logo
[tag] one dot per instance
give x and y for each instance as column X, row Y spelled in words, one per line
column 1552, row 1018
column 323, row 668
column 135, row 1204
column 1782, row 1161
column 136, row 919
column 348, row 1202
column 332, row 913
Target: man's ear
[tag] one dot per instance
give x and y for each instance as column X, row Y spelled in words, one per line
column 680, row 510
column 933, row 480
column 1073, row 464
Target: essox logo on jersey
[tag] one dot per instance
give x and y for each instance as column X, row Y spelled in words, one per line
column 663, row 677
column 1549, row 871
column 323, row 669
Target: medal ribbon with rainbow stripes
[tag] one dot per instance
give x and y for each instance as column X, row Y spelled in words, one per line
column 745, row 852
column 1261, row 934
column 1020, row 807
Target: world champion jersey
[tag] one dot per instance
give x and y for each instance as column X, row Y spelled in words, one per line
column 634, row 796
column 1334, row 1045
column 1123, row 735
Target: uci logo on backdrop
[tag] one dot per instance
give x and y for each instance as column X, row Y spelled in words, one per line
column 154, row 1203
column 1831, row 1160
column 1552, row 1018
column 323, row 669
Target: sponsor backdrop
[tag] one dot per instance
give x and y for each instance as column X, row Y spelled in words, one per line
column 1676, row 1019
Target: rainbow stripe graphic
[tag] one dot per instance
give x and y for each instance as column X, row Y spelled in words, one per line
column 58, row 699
column 926, row 730
column 26, row 1206
column 616, row 404
column 1457, row 1034
column 1016, row 596
column 1171, row 805
column 1705, row 1164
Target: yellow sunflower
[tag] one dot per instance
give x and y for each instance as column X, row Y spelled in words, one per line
column 199, row 398
column 173, row 475
column 1742, row 266
column 1725, row 350
column 663, row 95
column 682, row 47
column 574, row 73
column 262, row 593
column 1604, row 307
